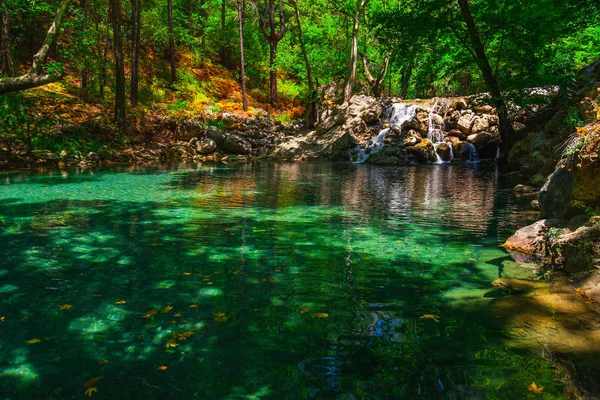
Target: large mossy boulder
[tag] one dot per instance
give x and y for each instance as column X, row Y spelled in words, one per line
column 423, row 152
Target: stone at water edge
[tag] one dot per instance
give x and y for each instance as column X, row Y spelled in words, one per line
column 206, row 146
column 443, row 150
column 555, row 195
column 423, row 152
column 236, row 145
column 529, row 243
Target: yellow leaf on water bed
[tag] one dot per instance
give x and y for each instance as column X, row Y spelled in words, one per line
column 534, row 388
column 322, row 315
column 430, row 316
column 167, row 309
column 121, row 302
column 33, row 341
column 220, row 316
column 103, row 362
column 304, row 310
column 162, row 368
column 91, row 391
column 66, row 307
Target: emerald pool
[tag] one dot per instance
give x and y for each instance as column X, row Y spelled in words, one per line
column 285, row 281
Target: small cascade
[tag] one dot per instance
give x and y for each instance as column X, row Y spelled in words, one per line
column 497, row 153
column 435, row 134
column 397, row 115
column 473, row 155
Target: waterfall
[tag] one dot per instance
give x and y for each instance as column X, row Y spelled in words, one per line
column 473, row 155
column 435, row 133
column 397, row 115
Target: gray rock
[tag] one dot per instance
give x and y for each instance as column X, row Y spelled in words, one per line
column 237, row 145
column 555, row 195
column 206, row 146
column 215, row 134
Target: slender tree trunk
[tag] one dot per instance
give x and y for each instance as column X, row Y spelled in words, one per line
column 408, row 73
column 224, row 50
column 36, row 76
column 7, row 67
column 311, row 112
column 192, row 18
column 273, row 74
column 376, row 82
column 84, row 70
column 119, row 62
column 172, row 43
column 505, row 126
column 273, row 31
column 240, row 7
column 360, row 6
column 136, row 11
column 103, row 66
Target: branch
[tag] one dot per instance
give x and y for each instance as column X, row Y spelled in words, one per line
column 51, row 37
column 36, row 77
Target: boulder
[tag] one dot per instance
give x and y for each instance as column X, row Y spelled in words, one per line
column 190, row 129
column 423, row 152
column 460, row 104
column 215, row 134
column 444, row 151
column 411, row 138
column 479, row 125
column 531, row 240
column 206, row 146
column 465, row 122
column 555, row 195
column 457, row 133
column 93, row 157
column 586, row 186
column 336, row 118
column 236, row 145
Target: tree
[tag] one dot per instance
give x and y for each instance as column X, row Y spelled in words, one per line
column 311, row 111
column 7, row 66
column 240, row 9
column 136, row 16
column 360, row 9
column 273, row 35
column 172, row 43
column 36, row 75
column 375, row 82
column 505, row 125
column 120, row 115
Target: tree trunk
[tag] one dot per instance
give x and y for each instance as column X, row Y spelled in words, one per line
column 119, row 62
column 136, row 12
column 375, row 83
column 224, row 50
column 273, row 31
column 360, row 6
column 7, row 67
column 311, row 112
column 505, row 125
column 273, row 74
column 36, row 76
column 408, row 73
column 172, row 43
column 103, row 74
column 84, row 70
column 240, row 7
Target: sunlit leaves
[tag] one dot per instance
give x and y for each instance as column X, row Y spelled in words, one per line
column 535, row 389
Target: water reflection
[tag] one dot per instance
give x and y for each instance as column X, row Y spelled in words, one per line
column 272, row 281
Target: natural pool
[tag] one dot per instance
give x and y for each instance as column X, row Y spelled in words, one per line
column 278, row 282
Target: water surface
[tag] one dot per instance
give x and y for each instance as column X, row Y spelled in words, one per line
column 277, row 282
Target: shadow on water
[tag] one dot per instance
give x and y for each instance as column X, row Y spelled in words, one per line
column 290, row 281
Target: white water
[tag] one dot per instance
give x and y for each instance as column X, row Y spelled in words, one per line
column 435, row 134
column 397, row 115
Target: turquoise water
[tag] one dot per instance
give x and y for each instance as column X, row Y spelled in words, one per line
column 278, row 282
